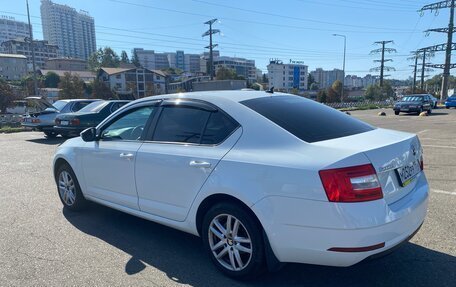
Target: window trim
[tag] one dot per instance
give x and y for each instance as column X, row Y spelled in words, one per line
column 192, row 103
column 154, row 103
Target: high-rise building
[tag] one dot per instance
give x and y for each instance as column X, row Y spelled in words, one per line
column 325, row 79
column 11, row 29
column 72, row 32
column 286, row 77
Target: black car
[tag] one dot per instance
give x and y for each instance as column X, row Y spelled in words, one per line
column 414, row 104
column 72, row 124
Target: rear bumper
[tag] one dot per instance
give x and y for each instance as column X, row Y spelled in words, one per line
column 304, row 231
column 74, row 131
column 38, row 127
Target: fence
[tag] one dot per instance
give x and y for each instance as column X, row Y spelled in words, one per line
column 360, row 104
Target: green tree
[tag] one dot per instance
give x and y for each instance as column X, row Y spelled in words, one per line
column 334, row 92
column 377, row 93
column 227, row 74
column 6, row 96
column 310, row 81
column 314, row 87
column 265, row 78
column 103, row 58
column 101, row 91
column 322, row 96
column 27, row 84
column 124, row 57
column 135, row 59
column 72, row 87
column 294, row 91
column 51, row 80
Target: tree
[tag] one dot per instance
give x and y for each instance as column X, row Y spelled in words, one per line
column 6, row 96
column 377, row 93
column 27, row 84
column 294, row 91
column 227, row 74
column 314, row 87
column 124, row 57
column 103, row 58
column 101, row 91
column 322, row 96
column 72, row 87
column 310, row 81
column 51, row 80
column 334, row 92
column 135, row 59
column 265, row 78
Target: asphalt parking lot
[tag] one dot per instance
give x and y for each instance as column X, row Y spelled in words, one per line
column 43, row 245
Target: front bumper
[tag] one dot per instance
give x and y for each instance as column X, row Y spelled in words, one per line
column 407, row 110
column 303, row 231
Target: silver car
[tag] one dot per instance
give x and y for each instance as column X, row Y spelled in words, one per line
column 45, row 120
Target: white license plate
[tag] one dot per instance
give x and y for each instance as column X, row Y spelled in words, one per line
column 64, row 123
column 407, row 173
column 404, row 110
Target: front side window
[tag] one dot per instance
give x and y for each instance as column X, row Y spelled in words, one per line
column 129, row 126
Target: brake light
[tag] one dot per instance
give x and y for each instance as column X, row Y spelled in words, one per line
column 75, row 122
column 351, row 184
column 421, row 162
column 36, row 121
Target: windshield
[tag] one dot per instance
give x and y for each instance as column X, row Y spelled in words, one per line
column 412, row 99
column 59, row 105
column 94, row 107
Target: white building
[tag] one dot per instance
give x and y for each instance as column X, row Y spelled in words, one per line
column 285, row 77
column 152, row 60
column 243, row 67
column 13, row 67
column 72, row 32
column 325, row 79
column 21, row 46
column 11, row 29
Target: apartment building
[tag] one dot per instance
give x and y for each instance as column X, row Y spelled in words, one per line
column 22, row 46
column 286, row 77
column 243, row 67
column 11, row 29
column 73, row 32
column 325, row 78
column 12, row 67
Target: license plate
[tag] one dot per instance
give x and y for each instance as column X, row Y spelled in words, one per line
column 64, row 123
column 404, row 110
column 407, row 173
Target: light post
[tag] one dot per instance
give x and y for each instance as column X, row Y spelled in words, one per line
column 343, row 69
column 209, row 33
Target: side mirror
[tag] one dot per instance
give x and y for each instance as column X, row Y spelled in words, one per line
column 89, row 135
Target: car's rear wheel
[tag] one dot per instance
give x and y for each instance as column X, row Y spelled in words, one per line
column 234, row 241
column 50, row 135
column 429, row 111
column 68, row 188
column 396, row 113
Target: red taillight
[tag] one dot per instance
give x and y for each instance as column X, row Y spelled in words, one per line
column 351, row 184
column 421, row 163
column 36, row 121
column 75, row 122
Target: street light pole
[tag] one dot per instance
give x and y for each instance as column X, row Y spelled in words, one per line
column 209, row 33
column 343, row 69
column 32, row 47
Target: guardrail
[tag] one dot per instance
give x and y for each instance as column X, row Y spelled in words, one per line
column 360, row 104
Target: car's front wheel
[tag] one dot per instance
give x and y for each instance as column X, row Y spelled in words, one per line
column 68, row 187
column 396, row 113
column 50, row 135
column 234, row 241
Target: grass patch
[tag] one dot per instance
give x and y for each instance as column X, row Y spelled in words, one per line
column 9, row 130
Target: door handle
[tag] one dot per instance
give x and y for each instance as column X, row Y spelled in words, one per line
column 125, row 155
column 203, row 164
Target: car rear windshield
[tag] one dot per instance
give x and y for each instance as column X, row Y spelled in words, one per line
column 308, row 120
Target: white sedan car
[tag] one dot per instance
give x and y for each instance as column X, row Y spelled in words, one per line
column 262, row 178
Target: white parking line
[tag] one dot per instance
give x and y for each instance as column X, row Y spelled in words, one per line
column 439, row 146
column 423, row 131
column 443, row 192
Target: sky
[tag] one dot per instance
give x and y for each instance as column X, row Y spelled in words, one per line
column 301, row 30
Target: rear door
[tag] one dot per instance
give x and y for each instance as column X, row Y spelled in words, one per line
column 186, row 145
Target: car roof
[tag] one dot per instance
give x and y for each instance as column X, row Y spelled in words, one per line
column 76, row 100
column 235, row 96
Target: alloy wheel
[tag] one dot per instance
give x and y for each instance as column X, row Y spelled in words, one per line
column 67, row 188
column 230, row 242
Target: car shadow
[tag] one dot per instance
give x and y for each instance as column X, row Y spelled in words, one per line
column 182, row 258
column 48, row 141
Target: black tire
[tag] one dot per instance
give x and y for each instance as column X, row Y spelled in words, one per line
column 447, row 107
column 50, row 135
column 396, row 113
column 429, row 111
column 79, row 202
column 256, row 261
column 420, row 111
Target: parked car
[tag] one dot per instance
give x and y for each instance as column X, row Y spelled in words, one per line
column 450, row 102
column 45, row 120
column 414, row 104
column 435, row 101
column 72, row 124
column 27, row 106
column 247, row 173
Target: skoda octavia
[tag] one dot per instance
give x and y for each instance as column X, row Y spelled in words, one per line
column 262, row 178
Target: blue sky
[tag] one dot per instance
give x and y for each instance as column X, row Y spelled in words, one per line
column 293, row 29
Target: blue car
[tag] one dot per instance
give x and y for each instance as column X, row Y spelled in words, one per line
column 450, row 102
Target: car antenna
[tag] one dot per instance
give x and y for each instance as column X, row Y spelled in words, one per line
column 271, row 90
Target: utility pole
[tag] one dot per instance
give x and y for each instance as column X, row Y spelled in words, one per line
column 423, row 68
column 32, row 47
column 382, row 67
column 415, row 56
column 209, row 33
column 343, row 67
column 446, row 69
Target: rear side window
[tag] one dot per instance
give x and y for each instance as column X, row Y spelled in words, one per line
column 182, row 124
column 79, row 105
column 308, row 120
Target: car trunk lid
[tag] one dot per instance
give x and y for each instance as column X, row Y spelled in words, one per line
column 393, row 154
